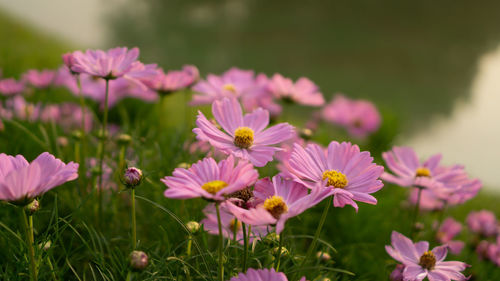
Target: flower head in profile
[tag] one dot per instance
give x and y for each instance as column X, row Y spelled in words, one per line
column 21, row 181
column 174, row 80
column 10, row 86
column 209, row 179
column 359, row 117
column 230, row 225
column 277, row 201
column 483, row 222
column 304, row 91
column 420, row 262
column 245, row 136
column 448, row 230
column 262, row 275
column 342, row 168
column 39, row 79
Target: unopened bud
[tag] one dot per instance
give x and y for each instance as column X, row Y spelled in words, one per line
column 124, row 139
column 193, row 226
column 272, row 238
column 102, row 134
column 33, row 207
column 184, row 165
column 62, row 141
column 77, row 135
column 419, row 226
column 306, row 133
column 138, row 260
column 45, row 246
column 323, row 256
column 284, row 251
column 132, row 177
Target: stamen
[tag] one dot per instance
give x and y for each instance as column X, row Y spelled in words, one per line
column 214, row 186
column 428, row 260
column 335, row 178
column 243, row 137
column 276, row 206
column 229, row 87
column 423, row 172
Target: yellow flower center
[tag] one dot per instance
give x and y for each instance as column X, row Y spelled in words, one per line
column 229, row 87
column 423, row 172
column 335, row 178
column 214, row 186
column 243, row 137
column 276, row 206
column 428, row 260
column 235, row 225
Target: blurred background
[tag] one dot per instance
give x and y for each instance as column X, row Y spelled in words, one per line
column 433, row 66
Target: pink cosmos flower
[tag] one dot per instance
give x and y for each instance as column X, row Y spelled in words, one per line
column 68, row 116
column 262, row 275
column 68, row 61
column 107, row 173
column 23, row 110
column 428, row 200
column 229, row 225
column 210, row 180
column 21, row 182
column 304, row 91
column 493, row 252
column 342, row 168
column 278, row 201
column 397, row 273
column 174, row 80
column 39, row 79
column 482, row 249
column 359, row 117
column 245, row 136
column 10, row 86
column 483, row 222
column 66, row 79
column 260, row 96
column 445, row 234
column 419, row 262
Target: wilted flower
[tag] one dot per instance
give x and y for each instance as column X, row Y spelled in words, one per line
column 445, row 234
column 10, row 86
column 138, row 260
column 261, row 275
column 21, row 182
column 304, row 91
column 39, row 79
column 483, row 222
column 245, row 136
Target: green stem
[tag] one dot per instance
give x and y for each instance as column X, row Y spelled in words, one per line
column 221, row 262
column 54, row 277
column 103, row 149
column 134, row 226
column 129, row 276
column 30, row 241
column 280, row 246
column 245, row 247
column 416, row 212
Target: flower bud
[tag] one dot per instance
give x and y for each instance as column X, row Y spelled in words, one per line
column 284, row 251
column 193, row 227
column 272, row 238
column 183, row 165
column 45, row 246
column 132, row 177
column 124, row 139
column 62, row 141
column 77, row 135
column 33, row 207
column 102, row 134
column 138, row 260
column 323, row 256
column 306, row 133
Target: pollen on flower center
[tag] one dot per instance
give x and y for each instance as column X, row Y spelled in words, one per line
column 214, row 186
column 428, row 260
column 276, row 206
column 234, row 225
column 335, row 178
column 243, row 137
column 423, row 172
column 229, row 87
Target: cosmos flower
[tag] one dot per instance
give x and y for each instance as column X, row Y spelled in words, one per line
column 10, row 86
column 359, row 117
column 342, row 168
column 174, row 80
column 493, row 251
column 67, row 115
column 66, row 79
column 277, row 201
column 39, row 79
column 229, row 225
column 397, row 273
column 245, row 136
column 21, row 181
column 107, row 172
column 262, row 275
column 23, row 110
column 260, row 96
column 210, row 180
column 446, row 232
column 304, row 91
column 483, row 222
column 419, row 262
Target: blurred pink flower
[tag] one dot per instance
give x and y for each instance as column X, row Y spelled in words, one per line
column 342, row 168
column 397, row 273
column 245, row 137
column 260, row 96
column 262, row 275
column 419, row 262
column 10, row 86
column 445, row 234
column 20, row 181
column 209, row 179
column 174, row 80
column 359, row 117
column 483, row 222
column 482, row 249
column 493, row 252
column 107, row 173
column 304, row 91
column 23, row 110
column 39, row 79
column 65, row 79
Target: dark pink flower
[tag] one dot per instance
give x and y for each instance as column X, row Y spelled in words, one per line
column 10, row 86
column 449, row 229
column 39, row 79
column 262, row 275
column 483, row 222
column 174, row 80
column 304, row 91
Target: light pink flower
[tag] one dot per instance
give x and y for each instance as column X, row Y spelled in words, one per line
column 210, row 180
column 229, row 223
column 260, row 96
column 419, row 262
column 277, row 201
column 482, row 249
column 23, row 110
column 493, row 251
column 68, row 116
column 39, row 79
column 304, row 91
column 245, row 136
column 262, row 275
column 397, row 273
column 359, row 117
column 174, row 80
column 428, row 200
column 10, row 86
column 483, row 222
column 66, row 79
column 449, row 229
column 21, row 181
column 342, row 168
column 107, row 173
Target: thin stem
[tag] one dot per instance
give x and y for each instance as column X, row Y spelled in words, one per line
column 134, row 226
column 30, row 241
column 103, row 143
column 54, row 277
column 245, row 247
column 416, row 212
column 221, row 262
column 280, row 246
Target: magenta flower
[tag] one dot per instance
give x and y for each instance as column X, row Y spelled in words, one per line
column 483, row 222
column 262, row 275
column 210, row 180
column 21, row 182
column 342, row 168
column 39, row 79
column 304, row 91
column 278, row 201
column 449, row 229
column 174, row 80
column 493, row 251
column 10, row 86
column 229, row 225
column 245, row 136
column 359, row 117
column 419, row 262
column 397, row 273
